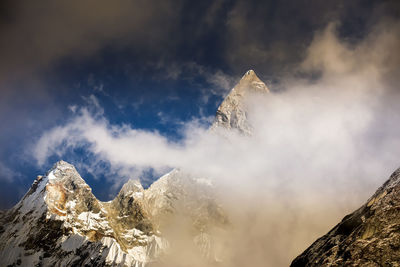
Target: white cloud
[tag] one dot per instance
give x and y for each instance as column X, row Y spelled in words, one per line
column 73, row 108
column 94, row 105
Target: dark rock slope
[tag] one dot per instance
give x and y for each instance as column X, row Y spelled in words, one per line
column 370, row 236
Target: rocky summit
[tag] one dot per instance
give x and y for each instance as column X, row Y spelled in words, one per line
column 232, row 113
column 59, row 222
column 370, row 236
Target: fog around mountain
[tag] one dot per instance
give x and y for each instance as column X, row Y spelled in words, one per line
column 318, row 148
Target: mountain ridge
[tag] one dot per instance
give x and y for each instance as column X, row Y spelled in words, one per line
column 60, row 222
column 59, row 218
column 61, row 210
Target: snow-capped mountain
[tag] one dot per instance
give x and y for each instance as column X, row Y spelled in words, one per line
column 59, row 222
column 370, row 236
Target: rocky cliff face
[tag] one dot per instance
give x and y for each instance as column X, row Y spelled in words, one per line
column 370, row 236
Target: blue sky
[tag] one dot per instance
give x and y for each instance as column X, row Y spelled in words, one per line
column 148, row 65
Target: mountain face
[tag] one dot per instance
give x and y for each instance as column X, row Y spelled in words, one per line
column 232, row 114
column 370, row 236
column 59, row 222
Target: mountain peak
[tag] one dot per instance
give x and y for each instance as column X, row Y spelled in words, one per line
column 251, row 82
column 61, row 164
column 61, row 167
column 232, row 113
column 131, row 187
column 249, row 73
column 65, row 172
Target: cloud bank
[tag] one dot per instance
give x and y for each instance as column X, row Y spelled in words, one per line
column 319, row 149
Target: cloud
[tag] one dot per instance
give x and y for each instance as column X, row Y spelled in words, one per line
column 6, row 174
column 375, row 55
column 319, row 148
column 272, row 37
column 94, row 103
column 48, row 46
column 213, row 82
column 76, row 29
column 190, row 70
column 43, row 43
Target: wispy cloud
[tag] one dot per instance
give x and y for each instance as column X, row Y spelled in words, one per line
column 8, row 175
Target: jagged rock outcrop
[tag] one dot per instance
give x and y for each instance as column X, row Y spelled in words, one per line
column 370, row 236
column 232, row 113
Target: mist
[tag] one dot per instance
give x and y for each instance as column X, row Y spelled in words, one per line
column 320, row 147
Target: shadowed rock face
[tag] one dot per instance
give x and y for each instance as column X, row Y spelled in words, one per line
column 370, row 236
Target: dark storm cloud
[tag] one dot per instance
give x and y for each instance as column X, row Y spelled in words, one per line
column 37, row 34
column 272, row 36
column 234, row 35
